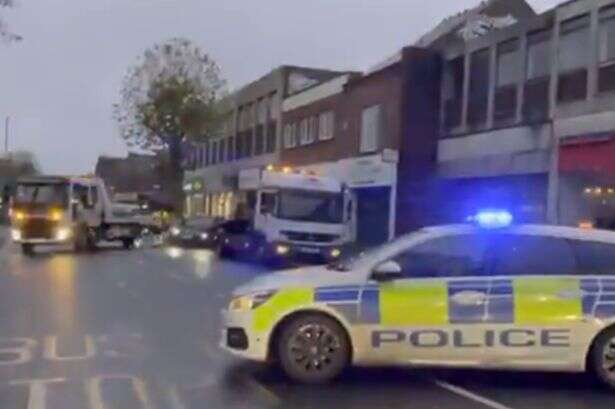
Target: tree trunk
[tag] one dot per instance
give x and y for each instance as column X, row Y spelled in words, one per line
column 176, row 176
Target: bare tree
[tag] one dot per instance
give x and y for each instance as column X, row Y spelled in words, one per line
column 5, row 34
column 170, row 97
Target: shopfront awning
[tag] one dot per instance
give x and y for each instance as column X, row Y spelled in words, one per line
column 595, row 156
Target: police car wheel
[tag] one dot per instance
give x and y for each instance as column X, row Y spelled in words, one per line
column 313, row 349
column 604, row 357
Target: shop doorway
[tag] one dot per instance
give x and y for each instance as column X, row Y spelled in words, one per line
column 373, row 211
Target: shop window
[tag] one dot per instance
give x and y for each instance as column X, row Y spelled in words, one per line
column 606, row 74
column 453, row 92
column 573, row 59
column 538, row 75
column 326, row 125
column 221, row 150
column 230, row 148
column 508, row 71
column 479, row 88
column 371, row 128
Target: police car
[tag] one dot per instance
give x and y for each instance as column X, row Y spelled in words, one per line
column 482, row 295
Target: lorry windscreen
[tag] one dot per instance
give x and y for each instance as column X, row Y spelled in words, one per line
column 54, row 193
column 309, row 206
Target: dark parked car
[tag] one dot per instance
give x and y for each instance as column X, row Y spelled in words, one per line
column 197, row 233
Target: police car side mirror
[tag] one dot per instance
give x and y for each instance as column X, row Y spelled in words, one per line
column 389, row 270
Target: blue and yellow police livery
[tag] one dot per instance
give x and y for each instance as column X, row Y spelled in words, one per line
column 516, row 297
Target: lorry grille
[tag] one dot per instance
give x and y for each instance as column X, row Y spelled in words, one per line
column 310, row 237
column 38, row 229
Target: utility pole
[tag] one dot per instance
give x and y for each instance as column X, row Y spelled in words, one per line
column 7, row 123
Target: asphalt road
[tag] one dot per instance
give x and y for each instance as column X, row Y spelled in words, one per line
column 139, row 329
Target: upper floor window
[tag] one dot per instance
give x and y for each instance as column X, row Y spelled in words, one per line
column 508, row 75
column 304, row 131
column 573, row 55
column 574, row 44
column 538, row 55
column 214, row 152
column 453, row 91
column 371, row 128
column 273, row 106
column 230, row 148
column 606, row 76
column 326, row 125
column 221, row 150
column 479, row 87
column 206, row 149
column 312, row 129
column 290, row 135
column 262, row 107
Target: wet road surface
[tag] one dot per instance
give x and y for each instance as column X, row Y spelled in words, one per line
column 139, row 329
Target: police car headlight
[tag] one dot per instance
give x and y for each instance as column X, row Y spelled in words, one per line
column 175, row 231
column 204, row 236
column 250, row 301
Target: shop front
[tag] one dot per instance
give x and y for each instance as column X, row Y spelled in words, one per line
column 587, row 182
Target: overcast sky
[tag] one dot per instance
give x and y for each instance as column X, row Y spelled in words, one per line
column 58, row 85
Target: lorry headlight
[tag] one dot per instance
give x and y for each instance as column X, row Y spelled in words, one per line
column 204, row 236
column 19, row 215
column 64, row 233
column 56, row 215
column 250, row 301
column 175, row 231
column 16, row 234
column 335, row 253
column 282, row 249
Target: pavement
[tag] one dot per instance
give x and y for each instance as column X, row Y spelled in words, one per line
column 139, row 329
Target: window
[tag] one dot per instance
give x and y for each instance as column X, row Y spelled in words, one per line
column 371, row 127
column 606, row 75
column 312, row 134
column 94, row 195
column 453, row 256
column 290, row 135
column 273, row 107
column 538, row 74
column 230, row 148
column 453, row 92
column 573, row 59
column 479, row 88
column 262, row 111
column 268, row 202
column 508, row 75
column 326, row 125
column 532, row 255
column 239, row 146
column 595, row 258
column 304, row 131
column 248, row 144
column 214, row 153
column 206, row 159
column 221, row 150
column 538, row 55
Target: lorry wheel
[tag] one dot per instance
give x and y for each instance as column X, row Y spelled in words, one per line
column 27, row 249
column 603, row 357
column 128, row 243
column 313, row 348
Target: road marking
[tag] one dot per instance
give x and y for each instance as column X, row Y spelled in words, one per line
column 470, row 395
column 93, row 388
column 38, row 391
column 50, row 350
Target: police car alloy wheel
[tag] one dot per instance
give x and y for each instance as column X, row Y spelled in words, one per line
column 313, row 349
column 604, row 357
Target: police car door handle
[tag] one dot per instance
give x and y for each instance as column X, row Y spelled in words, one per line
column 469, row 298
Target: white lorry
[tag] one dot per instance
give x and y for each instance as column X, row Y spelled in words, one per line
column 72, row 210
column 289, row 214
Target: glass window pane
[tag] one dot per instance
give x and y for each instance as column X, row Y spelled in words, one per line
column 539, row 55
column 527, row 255
column 574, row 44
column 370, row 128
column 455, row 256
column 508, row 63
column 595, row 258
column 607, row 40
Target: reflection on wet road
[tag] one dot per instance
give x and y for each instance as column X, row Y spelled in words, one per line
column 139, row 329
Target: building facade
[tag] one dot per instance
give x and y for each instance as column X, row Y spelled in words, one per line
column 366, row 131
column 527, row 118
column 250, row 140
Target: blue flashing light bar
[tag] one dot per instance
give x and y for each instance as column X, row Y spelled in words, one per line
column 492, row 219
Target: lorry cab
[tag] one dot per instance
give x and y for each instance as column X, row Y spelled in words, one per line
column 296, row 214
column 69, row 210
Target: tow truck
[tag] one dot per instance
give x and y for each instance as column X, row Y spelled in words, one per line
column 76, row 210
column 289, row 214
